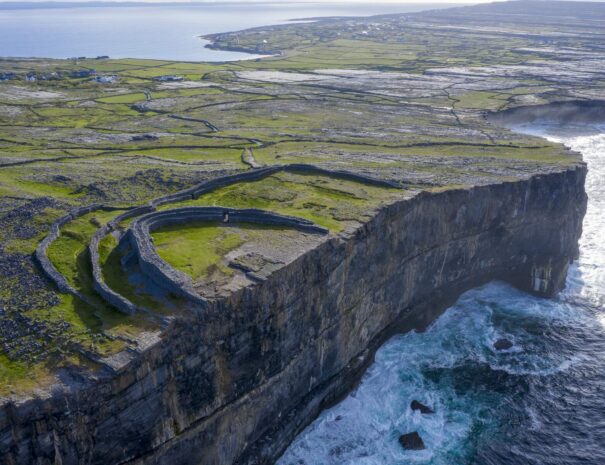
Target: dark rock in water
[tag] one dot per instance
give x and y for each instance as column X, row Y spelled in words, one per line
column 503, row 344
column 415, row 405
column 411, row 441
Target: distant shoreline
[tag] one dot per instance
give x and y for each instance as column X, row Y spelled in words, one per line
column 160, row 31
column 221, row 3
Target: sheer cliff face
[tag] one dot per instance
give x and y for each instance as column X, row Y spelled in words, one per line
column 236, row 384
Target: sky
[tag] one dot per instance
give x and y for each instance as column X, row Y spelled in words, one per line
column 259, row 1
column 275, row 1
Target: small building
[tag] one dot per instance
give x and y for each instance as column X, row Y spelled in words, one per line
column 108, row 79
column 102, row 57
column 7, row 76
column 31, row 77
column 169, row 78
column 51, row 76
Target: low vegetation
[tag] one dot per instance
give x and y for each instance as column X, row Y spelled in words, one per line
column 401, row 98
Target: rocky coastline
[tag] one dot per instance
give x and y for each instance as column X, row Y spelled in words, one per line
column 392, row 133
column 236, row 383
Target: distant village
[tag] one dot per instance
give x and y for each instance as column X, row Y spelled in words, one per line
column 92, row 74
column 33, row 76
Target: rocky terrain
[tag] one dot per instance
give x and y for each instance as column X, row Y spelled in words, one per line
column 418, row 191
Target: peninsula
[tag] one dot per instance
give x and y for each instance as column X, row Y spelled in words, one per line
column 197, row 258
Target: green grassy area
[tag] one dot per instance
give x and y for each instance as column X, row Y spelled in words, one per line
column 15, row 183
column 69, row 251
column 18, row 377
column 481, row 100
column 197, row 249
column 201, row 249
column 118, row 279
column 360, row 155
column 195, row 155
column 345, row 53
column 329, row 202
column 70, row 256
column 124, row 98
column 388, row 109
column 86, row 325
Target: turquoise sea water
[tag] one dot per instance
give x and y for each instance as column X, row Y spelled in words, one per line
column 169, row 32
column 541, row 402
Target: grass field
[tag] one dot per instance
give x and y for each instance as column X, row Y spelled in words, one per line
column 395, row 97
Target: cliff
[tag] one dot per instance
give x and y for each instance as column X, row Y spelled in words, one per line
column 235, row 383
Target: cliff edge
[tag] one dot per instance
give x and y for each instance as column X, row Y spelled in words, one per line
column 164, row 300
column 237, row 382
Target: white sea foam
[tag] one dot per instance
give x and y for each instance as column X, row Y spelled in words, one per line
column 364, row 428
column 587, row 278
column 453, row 366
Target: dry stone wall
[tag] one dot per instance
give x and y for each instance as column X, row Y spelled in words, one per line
column 41, row 254
column 160, row 271
column 114, row 299
column 151, row 264
column 339, row 174
column 176, row 281
column 109, row 295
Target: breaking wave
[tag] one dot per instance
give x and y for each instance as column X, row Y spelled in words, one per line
column 540, row 402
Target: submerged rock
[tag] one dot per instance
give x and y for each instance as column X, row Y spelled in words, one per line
column 503, row 344
column 415, row 405
column 411, row 441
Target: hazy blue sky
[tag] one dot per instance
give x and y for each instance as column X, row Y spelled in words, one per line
column 278, row 1
column 263, row 1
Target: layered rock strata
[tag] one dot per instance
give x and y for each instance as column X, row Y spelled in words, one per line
column 236, row 382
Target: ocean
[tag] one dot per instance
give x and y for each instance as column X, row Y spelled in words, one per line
column 540, row 402
column 166, row 32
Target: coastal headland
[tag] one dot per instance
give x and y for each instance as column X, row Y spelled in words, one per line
column 198, row 258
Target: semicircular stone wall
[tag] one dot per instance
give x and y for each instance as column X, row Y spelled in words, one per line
column 175, row 281
column 162, row 272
